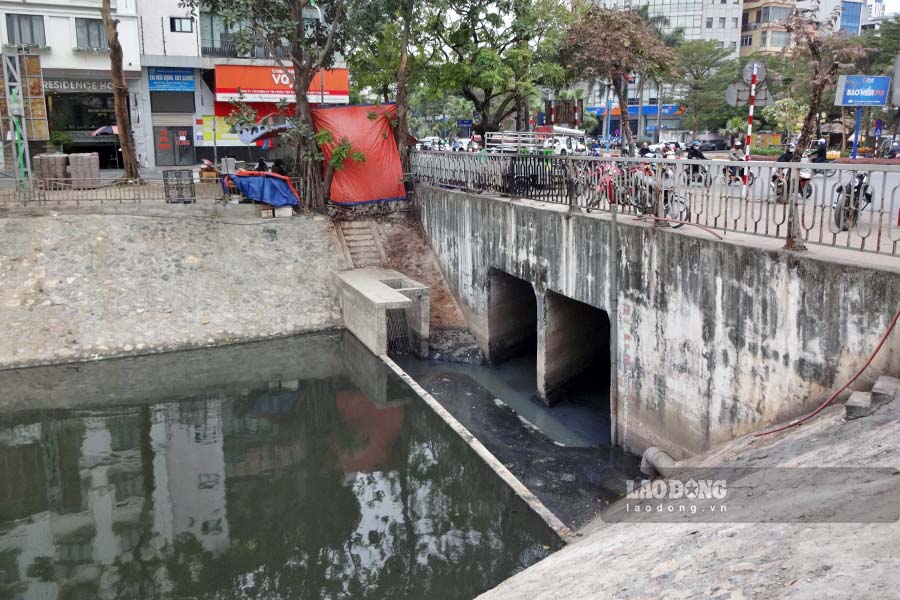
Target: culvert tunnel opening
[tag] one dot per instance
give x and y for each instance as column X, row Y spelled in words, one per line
column 512, row 318
column 573, row 358
column 557, row 348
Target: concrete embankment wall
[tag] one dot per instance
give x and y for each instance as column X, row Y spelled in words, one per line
column 102, row 281
column 715, row 339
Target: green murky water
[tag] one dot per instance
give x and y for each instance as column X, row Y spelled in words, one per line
column 298, row 468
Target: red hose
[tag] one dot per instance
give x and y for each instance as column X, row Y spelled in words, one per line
column 831, row 398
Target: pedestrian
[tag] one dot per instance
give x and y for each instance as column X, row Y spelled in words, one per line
column 737, row 154
column 821, row 151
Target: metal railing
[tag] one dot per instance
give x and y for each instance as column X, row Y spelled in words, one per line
column 225, row 48
column 841, row 205
column 40, row 192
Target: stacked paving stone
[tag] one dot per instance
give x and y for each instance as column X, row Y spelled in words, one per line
column 50, row 169
column 84, row 170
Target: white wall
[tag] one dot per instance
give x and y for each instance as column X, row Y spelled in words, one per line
column 59, row 31
column 159, row 39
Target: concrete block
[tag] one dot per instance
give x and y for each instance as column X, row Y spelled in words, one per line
column 885, row 390
column 859, row 404
column 284, row 211
column 267, row 212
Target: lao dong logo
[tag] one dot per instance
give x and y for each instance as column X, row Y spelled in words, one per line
column 675, row 489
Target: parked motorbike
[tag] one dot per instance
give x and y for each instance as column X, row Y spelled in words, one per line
column 696, row 175
column 851, row 199
column 737, row 177
column 780, row 183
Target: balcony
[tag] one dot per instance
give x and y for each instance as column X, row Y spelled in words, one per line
column 225, row 48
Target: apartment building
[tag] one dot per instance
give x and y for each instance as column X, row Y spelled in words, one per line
column 184, row 71
column 63, row 48
column 764, row 26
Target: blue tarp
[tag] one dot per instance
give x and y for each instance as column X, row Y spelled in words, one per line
column 268, row 188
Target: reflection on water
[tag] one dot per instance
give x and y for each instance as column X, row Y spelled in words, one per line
column 287, row 488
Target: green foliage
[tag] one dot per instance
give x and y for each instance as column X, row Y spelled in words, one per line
column 706, row 71
column 494, row 53
column 60, row 137
column 785, row 115
column 734, row 127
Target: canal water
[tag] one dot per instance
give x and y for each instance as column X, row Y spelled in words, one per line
column 297, row 468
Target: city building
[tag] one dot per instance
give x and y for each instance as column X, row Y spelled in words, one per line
column 195, row 71
column 763, row 26
column 711, row 20
column 848, row 15
column 68, row 82
column 184, row 72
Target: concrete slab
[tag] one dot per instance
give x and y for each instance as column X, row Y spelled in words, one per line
column 368, row 294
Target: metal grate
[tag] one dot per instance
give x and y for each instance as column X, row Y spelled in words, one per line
column 398, row 335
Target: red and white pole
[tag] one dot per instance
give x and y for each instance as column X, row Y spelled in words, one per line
column 749, row 141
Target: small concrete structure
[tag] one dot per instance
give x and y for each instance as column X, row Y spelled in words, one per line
column 368, row 295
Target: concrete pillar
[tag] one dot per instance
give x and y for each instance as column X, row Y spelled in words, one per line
column 572, row 337
column 512, row 313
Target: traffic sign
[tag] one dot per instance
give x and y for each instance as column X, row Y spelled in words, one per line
column 464, row 122
column 747, row 73
column 738, row 94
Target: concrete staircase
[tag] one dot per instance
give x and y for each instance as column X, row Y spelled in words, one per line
column 360, row 244
column 862, row 404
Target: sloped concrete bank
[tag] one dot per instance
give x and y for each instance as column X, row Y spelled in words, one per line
column 691, row 558
column 91, row 282
column 715, row 339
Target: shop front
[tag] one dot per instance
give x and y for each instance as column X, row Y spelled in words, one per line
column 79, row 106
column 172, row 110
column 266, row 90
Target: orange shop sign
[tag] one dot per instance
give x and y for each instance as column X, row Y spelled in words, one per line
column 273, row 84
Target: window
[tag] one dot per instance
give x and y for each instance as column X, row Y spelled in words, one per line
column 90, row 34
column 721, row 22
column 25, row 30
column 851, row 13
column 734, row 22
column 181, row 24
column 732, row 45
column 746, row 41
column 780, row 39
column 709, row 22
column 763, row 39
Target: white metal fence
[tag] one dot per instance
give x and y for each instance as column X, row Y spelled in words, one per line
column 852, row 206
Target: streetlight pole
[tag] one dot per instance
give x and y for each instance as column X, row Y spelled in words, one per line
column 321, row 71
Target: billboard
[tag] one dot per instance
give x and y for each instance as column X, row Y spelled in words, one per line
column 862, row 90
column 273, row 84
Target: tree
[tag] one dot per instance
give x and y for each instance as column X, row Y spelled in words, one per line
column 120, row 93
column 734, row 127
column 814, row 44
column 706, row 72
column 784, row 114
column 495, row 53
column 301, row 46
column 611, row 44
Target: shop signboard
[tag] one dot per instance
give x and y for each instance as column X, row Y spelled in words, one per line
column 217, row 129
column 72, row 85
column 251, row 83
column 170, row 79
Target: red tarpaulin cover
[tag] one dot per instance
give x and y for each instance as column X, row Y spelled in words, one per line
column 368, row 128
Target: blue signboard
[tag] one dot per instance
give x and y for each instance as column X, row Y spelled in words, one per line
column 668, row 110
column 171, row 79
column 862, row 90
column 464, row 122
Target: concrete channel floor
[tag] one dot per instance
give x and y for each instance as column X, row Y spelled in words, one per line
column 574, row 483
column 812, row 561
